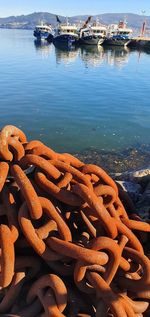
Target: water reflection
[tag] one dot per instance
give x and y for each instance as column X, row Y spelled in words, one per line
column 140, row 50
column 66, row 54
column 43, row 48
column 117, row 56
column 91, row 56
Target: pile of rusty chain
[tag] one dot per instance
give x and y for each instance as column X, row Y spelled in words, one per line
column 68, row 246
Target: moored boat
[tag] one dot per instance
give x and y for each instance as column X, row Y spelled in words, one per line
column 92, row 35
column 87, row 37
column 118, row 34
column 43, row 32
column 66, row 33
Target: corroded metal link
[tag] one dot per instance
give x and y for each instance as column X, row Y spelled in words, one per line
column 128, row 308
column 61, row 194
column 44, row 165
column 5, row 133
column 113, row 212
column 74, row 251
column 144, row 281
column 11, row 295
column 7, row 256
column 32, row 144
column 77, row 175
column 108, row 296
column 49, row 303
column 79, row 277
column 98, row 171
column 126, row 199
column 16, row 148
column 32, row 237
column 133, row 240
column 43, row 231
column 70, row 159
column 139, row 307
column 11, row 212
column 99, row 209
column 145, row 294
column 44, row 151
column 136, row 225
column 30, row 233
column 65, row 181
column 107, row 192
column 51, row 211
column 114, row 250
column 28, row 191
column 53, row 282
column 4, row 168
column 90, row 227
column 120, row 208
column 48, row 153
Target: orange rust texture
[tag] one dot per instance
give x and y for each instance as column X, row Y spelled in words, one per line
column 69, row 244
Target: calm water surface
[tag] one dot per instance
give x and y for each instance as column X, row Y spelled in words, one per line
column 75, row 100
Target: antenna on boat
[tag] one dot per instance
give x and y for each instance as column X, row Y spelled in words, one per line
column 125, row 20
column 143, row 29
column 143, row 25
column 97, row 20
column 67, row 22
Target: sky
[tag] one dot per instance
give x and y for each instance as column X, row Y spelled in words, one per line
column 73, row 7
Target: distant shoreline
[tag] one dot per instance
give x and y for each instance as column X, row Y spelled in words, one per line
column 30, row 20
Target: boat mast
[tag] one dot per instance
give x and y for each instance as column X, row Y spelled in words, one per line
column 85, row 25
column 67, row 22
column 143, row 29
column 143, row 25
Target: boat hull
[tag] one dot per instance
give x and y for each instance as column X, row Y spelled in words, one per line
column 50, row 38
column 65, row 39
column 41, row 35
column 117, row 41
column 91, row 40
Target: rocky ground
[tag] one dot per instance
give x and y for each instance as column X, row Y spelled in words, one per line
column 128, row 159
column 131, row 170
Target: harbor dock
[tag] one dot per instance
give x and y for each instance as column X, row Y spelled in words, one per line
column 140, row 42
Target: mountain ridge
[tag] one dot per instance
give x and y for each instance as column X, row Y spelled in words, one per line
column 30, row 20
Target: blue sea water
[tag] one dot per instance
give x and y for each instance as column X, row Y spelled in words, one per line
column 77, row 99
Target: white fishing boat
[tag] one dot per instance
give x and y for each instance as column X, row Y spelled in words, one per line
column 94, row 34
column 118, row 34
column 43, row 31
column 65, row 33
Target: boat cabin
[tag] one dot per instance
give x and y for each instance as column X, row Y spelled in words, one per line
column 119, row 29
column 98, row 30
column 43, row 27
column 67, row 29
